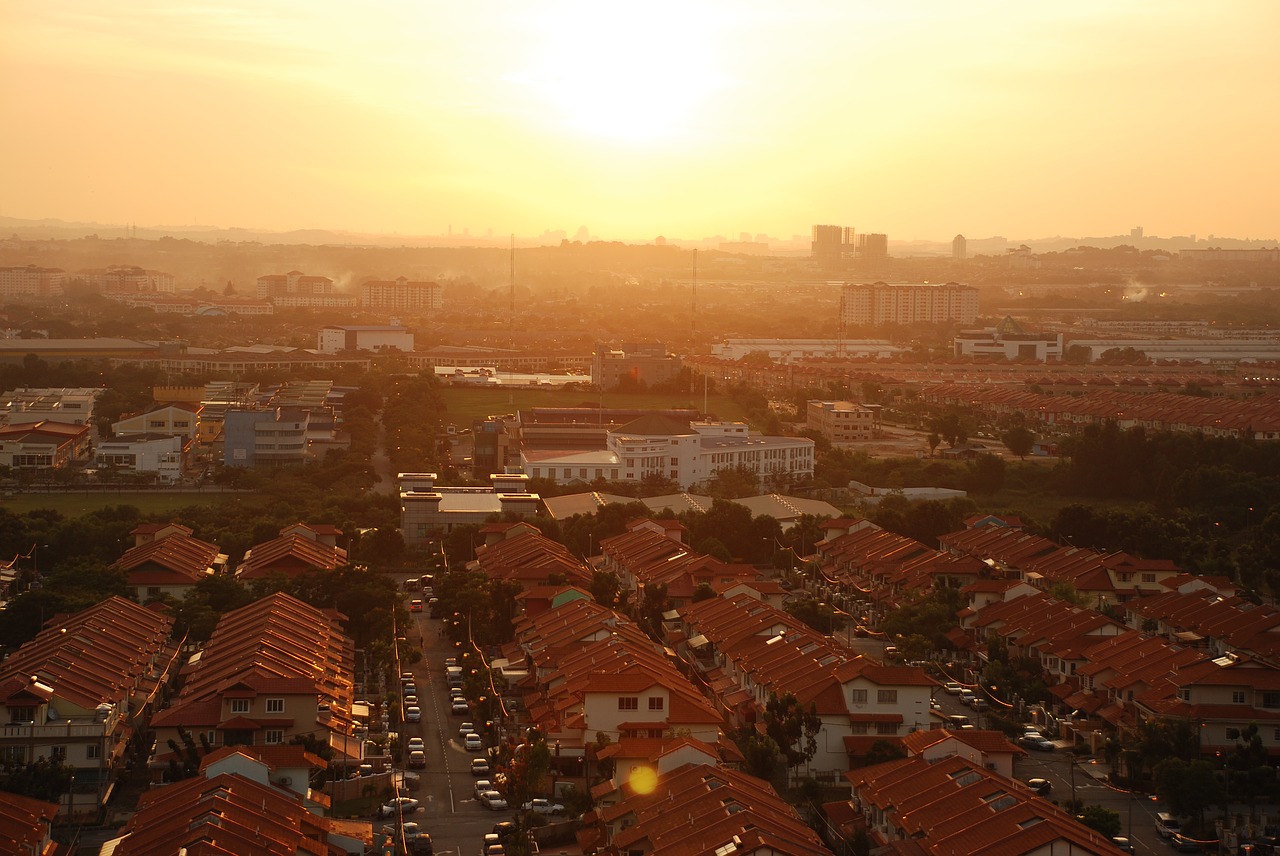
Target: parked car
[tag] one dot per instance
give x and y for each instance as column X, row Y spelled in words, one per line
column 952, row 688
column 480, row 767
column 412, row 833
column 413, row 713
column 472, row 742
column 418, row 760
column 460, row 707
column 410, row 700
column 1041, row 786
column 466, row 728
column 542, row 806
column 416, row 744
column 1037, row 741
column 398, row 805
column 493, row 801
column 1123, row 843
column 967, row 697
column 980, row 704
column 482, row 785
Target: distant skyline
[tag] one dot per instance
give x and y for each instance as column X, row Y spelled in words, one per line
column 920, row 119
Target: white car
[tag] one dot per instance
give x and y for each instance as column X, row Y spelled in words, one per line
column 399, row 805
column 459, row 707
column 482, row 786
column 466, row 728
column 542, row 806
column 417, row 744
column 411, row 831
column 413, row 714
column 952, row 687
column 472, row 742
column 493, row 801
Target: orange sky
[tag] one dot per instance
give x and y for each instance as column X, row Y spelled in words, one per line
column 919, row 118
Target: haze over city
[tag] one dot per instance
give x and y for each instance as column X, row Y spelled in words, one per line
column 916, row 119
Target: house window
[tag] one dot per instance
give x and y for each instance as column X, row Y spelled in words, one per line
column 675, row 462
column 1271, row 700
column 92, row 751
column 655, row 703
column 22, row 714
column 857, row 728
column 274, row 736
column 58, row 753
column 887, row 696
column 857, row 696
column 275, row 705
column 628, row 703
column 886, row 728
column 1237, row 696
column 1148, row 578
column 240, row 705
column 1185, row 695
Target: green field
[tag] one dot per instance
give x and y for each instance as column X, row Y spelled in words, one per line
column 466, row 405
column 74, row 504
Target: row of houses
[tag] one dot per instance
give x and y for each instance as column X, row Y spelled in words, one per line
column 1151, row 641
column 1256, row 417
column 650, row 725
column 167, row 560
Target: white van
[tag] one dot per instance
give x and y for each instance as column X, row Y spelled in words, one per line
column 1167, row 825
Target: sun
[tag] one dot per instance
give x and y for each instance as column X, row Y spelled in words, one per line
column 613, row 73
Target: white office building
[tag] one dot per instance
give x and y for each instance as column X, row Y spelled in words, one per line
column 654, row 445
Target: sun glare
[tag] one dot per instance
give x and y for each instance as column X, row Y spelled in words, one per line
column 643, row 780
column 610, row 73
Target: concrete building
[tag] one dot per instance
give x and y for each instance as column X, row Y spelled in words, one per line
column 875, row 303
column 296, row 289
column 43, row 445
column 31, row 281
column 265, row 436
column 163, row 455
column 428, row 510
column 126, row 279
column 401, row 295
column 832, row 246
column 179, row 420
column 843, row 421
column 687, row 454
column 1009, row 341
column 73, row 406
column 344, row 337
column 787, row 351
column 959, row 248
column 633, row 363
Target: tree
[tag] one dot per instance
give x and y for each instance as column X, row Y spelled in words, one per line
column 933, row 440
column 1019, row 440
column 793, row 728
column 882, row 751
column 1104, row 820
column 986, row 474
column 1188, row 788
column 949, row 425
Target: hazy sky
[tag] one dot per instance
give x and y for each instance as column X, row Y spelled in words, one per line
column 919, row 118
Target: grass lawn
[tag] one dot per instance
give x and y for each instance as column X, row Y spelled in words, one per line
column 466, row 405
column 76, row 504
